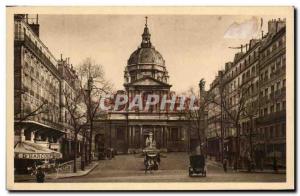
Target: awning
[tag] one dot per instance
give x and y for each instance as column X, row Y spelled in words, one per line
column 28, row 150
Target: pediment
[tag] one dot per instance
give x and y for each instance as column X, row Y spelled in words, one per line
column 148, row 81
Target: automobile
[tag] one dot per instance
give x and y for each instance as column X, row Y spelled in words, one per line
column 197, row 166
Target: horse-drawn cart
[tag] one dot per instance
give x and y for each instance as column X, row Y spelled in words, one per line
column 151, row 160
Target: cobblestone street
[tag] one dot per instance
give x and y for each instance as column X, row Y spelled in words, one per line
column 173, row 168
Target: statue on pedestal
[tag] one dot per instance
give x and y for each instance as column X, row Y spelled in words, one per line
column 150, row 142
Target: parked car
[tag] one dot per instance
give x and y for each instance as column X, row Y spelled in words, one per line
column 197, row 165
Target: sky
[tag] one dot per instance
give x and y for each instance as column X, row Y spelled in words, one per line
column 193, row 46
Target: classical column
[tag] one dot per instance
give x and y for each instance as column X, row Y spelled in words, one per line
column 154, row 134
column 141, row 136
column 22, row 134
column 129, row 137
column 133, row 137
column 167, row 135
column 32, row 136
column 162, row 136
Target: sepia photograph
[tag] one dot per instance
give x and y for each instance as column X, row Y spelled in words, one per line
column 150, row 98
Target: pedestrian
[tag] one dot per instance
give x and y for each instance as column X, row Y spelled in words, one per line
column 275, row 168
column 225, row 165
column 40, row 175
column 249, row 160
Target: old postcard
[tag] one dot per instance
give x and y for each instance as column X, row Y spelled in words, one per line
column 150, row 98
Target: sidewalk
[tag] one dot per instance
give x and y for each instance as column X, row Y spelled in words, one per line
column 266, row 171
column 30, row 178
column 270, row 171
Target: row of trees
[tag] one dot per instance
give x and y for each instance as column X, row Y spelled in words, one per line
column 82, row 106
column 245, row 106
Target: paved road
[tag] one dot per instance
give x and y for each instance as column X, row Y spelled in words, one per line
column 173, row 168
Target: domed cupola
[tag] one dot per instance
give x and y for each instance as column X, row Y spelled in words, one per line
column 146, row 61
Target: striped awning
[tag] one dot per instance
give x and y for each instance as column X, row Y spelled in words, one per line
column 29, row 150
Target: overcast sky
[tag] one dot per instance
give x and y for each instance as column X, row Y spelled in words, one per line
column 193, row 47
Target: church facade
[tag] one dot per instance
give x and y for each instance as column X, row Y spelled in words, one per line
column 126, row 131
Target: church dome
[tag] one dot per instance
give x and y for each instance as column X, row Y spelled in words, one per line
column 146, row 56
column 146, row 61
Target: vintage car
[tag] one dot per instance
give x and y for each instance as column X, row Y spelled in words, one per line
column 197, row 165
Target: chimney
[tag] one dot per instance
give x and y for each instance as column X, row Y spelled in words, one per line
column 35, row 27
column 61, row 57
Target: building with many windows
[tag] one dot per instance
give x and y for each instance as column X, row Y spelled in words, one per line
column 252, row 92
column 272, row 94
column 41, row 124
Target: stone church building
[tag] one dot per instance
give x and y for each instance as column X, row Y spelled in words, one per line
column 126, row 131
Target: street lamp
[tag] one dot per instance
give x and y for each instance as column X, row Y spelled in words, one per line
column 90, row 87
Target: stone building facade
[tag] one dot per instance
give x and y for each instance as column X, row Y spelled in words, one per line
column 37, row 83
column 126, row 131
column 255, row 80
column 272, row 95
column 39, row 118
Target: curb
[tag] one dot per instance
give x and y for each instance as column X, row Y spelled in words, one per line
column 78, row 175
column 262, row 172
column 61, row 177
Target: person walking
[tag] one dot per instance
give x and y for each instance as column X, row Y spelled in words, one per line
column 275, row 167
column 225, row 164
column 40, row 175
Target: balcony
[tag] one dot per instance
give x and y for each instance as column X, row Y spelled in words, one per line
column 273, row 117
column 38, row 53
column 42, row 143
column 52, row 124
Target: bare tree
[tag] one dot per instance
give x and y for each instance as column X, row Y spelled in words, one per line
column 76, row 109
column 94, row 86
column 250, row 112
column 233, row 109
column 197, row 117
column 29, row 111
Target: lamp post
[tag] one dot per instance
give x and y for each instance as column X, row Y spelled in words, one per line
column 91, row 114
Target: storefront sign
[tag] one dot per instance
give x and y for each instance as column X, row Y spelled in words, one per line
column 34, row 156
